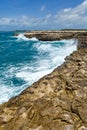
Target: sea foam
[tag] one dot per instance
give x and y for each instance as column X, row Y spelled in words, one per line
column 22, row 37
column 44, row 57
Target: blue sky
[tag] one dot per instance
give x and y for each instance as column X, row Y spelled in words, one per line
column 42, row 14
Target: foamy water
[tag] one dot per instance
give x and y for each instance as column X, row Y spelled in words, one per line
column 24, row 61
column 22, row 37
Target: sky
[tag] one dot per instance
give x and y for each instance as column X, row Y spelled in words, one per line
column 43, row 14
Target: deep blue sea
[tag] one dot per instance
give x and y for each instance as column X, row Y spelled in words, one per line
column 24, row 61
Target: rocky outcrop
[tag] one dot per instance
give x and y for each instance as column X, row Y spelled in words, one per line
column 49, row 35
column 58, row 101
column 82, row 42
column 80, row 35
column 54, row 35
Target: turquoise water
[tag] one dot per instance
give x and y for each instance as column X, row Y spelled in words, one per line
column 24, row 61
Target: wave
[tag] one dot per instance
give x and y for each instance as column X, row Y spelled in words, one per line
column 49, row 46
column 70, row 42
column 50, row 54
column 64, row 41
column 22, row 37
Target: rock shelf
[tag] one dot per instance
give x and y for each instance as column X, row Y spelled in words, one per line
column 58, row 101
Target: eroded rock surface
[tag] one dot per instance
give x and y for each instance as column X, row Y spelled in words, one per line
column 55, row 35
column 58, row 101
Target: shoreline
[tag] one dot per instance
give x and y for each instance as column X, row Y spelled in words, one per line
column 55, row 35
column 57, row 101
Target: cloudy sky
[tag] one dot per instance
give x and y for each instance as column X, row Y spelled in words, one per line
column 42, row 14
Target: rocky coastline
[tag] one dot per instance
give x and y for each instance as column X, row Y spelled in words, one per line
column 58, row 101
column 55, row 35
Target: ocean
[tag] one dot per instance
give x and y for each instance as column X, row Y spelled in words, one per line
column 24, row 61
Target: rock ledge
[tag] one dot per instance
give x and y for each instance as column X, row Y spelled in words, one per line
column 58, row 101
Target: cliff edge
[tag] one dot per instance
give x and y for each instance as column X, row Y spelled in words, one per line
column 58, row 101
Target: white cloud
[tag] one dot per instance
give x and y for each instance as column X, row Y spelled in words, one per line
column 74, row 17
column 5, row 21
column 65, row 18
column 25, row 21
column 48, row 16
column 42, row 8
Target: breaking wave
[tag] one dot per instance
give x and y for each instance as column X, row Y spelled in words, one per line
column 24, row 62
column 22, row 37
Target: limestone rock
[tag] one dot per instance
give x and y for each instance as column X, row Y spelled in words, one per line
column 58, row 101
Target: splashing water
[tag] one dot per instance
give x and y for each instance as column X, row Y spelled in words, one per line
column 22, row 37
column 24, row 61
